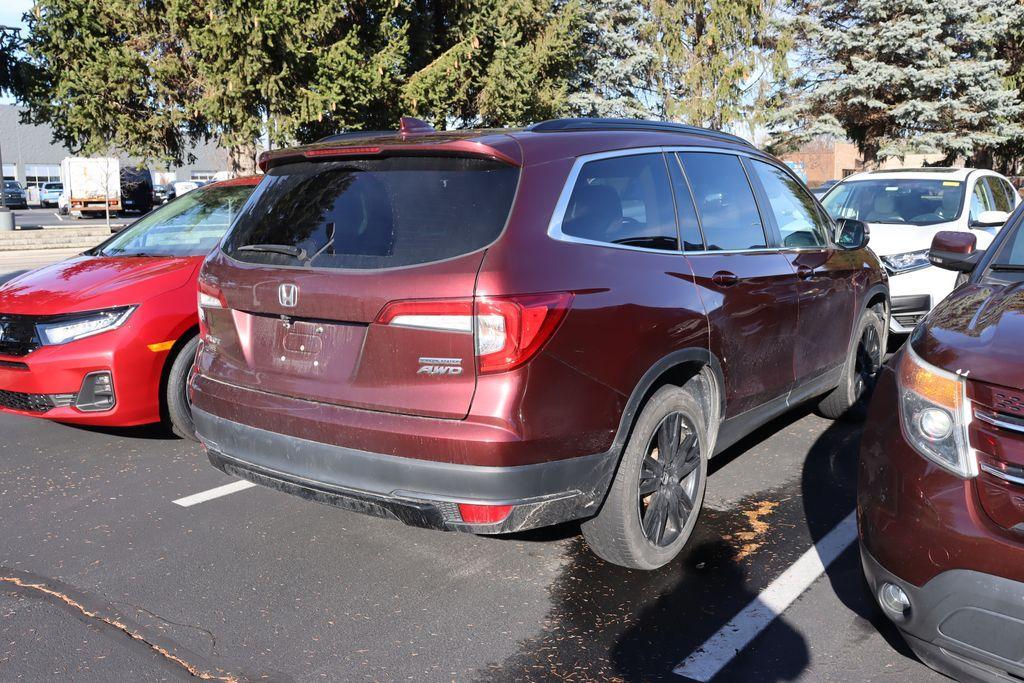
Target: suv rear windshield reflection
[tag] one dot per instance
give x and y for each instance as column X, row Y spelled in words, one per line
column 378, row 213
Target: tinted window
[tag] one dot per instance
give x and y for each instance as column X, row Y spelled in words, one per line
column 689, row 226
column 623, row 200
column 725, row 202
column 980, row 199
column 189, row 226
column 997, row 188
column 795, row 212
column 907, row 201
column 376, row 213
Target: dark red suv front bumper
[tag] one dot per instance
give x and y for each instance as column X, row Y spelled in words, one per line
column 924, row 530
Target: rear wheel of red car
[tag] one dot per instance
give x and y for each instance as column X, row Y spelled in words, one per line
column 179, row 409
column 850, row 399
column 655, row 499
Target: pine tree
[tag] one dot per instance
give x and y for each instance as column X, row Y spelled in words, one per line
column 903, row 76
column 500, row 62
column 714, row 58
column 616, row 62
column 107, row 74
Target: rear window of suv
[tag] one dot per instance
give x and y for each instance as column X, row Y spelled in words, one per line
column 374, row 213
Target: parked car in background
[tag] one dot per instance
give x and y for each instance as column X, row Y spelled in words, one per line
column 182, row 186
column 822, row 189
column 941, row 487
column 136, row 190
column 905, row 208
column 374, row 337
column 49, row 194
column 1018, row 184
column 108, row 337
column 14, row 195
column 163, row 194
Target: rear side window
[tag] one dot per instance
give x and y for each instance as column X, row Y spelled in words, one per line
column 1002, row 199
column 725, row 202
column 623, row 200
column 376, row 213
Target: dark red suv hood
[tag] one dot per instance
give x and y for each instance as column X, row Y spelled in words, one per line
column 86, row 283
column 979, row 329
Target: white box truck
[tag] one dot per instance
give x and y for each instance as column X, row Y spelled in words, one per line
column 91, row 185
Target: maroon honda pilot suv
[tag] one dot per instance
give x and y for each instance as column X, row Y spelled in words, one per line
column 494, row 330
column 941, row 488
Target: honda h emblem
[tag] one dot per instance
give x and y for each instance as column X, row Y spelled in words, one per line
column 288, row 295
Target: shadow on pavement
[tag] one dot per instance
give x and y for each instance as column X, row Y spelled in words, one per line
column 829, row 489
column 152, row 432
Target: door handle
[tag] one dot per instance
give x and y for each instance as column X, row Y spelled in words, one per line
column 724, row 278
column 805, row 272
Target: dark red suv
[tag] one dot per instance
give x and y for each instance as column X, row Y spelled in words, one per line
column 494, row 330
column 941, row 490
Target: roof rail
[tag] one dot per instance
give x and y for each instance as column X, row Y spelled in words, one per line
column 592, row 123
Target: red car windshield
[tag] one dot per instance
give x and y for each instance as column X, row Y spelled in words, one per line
column 191, row 225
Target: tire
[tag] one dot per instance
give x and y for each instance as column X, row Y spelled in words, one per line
column 179, row 409
column 850, row 399
column 617, row 534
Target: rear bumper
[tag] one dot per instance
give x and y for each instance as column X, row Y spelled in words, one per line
column 965, row 624
column 422, row 493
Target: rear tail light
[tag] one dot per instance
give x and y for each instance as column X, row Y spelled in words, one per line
column 508, row 330
column 210, row 296
column 484, row 514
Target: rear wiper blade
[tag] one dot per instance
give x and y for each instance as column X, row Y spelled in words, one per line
column 286, row 249
column 1007, row 267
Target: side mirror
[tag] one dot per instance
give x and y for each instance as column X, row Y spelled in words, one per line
column 956, row 251
column 990, row 219
column 852, row 233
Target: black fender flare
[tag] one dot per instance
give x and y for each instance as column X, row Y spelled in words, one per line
column 635, row 402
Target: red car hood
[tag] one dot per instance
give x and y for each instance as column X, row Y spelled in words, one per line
column 979, row 329
column 86, row 283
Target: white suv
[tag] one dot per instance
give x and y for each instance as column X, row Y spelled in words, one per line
column 905, row 208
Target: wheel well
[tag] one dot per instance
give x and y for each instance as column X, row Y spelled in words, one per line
column 879, row 302
column 165, row 373
column 707, row 390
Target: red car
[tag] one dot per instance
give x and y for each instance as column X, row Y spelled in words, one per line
column 941, row 489
column 490, row 331
column 108, row 337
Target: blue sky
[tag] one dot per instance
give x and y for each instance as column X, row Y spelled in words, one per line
column 11, row 11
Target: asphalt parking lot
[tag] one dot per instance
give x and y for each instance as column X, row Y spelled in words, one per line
column 121, row 556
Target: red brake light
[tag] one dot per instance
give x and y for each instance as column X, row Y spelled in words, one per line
column 508, row 330
column 340, row 151
column 210, row 296
column 484, row 514
column 511, row 330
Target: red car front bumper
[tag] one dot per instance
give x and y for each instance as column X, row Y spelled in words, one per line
column 136, row 371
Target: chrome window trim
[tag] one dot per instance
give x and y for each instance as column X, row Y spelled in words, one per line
column 555, row 224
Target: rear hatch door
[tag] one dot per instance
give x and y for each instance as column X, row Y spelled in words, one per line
column 299, row 296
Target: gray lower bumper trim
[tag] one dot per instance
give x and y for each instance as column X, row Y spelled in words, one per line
column 319, row 465
column 966, row 624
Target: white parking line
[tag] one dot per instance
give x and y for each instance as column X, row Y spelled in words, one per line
column 718, row 650
column 203, row 496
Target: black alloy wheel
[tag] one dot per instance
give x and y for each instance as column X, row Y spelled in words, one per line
column 669, row 480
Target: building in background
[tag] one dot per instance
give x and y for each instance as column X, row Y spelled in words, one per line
column 31, row 157
column 829, row 159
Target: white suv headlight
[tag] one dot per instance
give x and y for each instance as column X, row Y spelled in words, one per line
column 74, row 326
column 935, row 414
column 906, row 262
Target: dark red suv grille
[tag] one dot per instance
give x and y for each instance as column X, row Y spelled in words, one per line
column 31, row 403
column 1005, row 401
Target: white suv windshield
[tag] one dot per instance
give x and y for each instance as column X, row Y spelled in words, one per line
column 900, row 201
